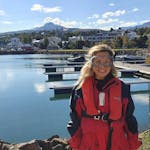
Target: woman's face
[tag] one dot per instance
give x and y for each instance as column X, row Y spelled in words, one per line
column 101, row 65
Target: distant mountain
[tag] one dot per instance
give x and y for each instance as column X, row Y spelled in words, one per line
column 49, row 27
column 145, row 25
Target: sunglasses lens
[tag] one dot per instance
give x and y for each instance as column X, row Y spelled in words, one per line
column 99, row 64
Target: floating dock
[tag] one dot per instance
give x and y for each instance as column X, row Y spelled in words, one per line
column 67, row 89
column 141, row 70
column 55, row 71
column 64, row 68
column 64, row 63
column 126, row 73
column 58, row 76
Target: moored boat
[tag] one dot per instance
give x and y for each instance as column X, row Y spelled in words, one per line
column 78, row 58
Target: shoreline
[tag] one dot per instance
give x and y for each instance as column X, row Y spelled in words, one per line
column 57, row 143
column 52, row 143
column 132, row 51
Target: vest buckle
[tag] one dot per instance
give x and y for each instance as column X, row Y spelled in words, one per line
column 97, row 117
column 104, row 117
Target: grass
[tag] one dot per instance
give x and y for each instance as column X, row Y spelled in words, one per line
column 145, row 136
column 71, row 51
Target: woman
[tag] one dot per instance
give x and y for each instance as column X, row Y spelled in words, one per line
column 102, row 107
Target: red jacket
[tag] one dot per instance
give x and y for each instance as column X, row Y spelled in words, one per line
column 91, row 129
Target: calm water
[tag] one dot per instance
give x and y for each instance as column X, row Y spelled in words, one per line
column 27, row 110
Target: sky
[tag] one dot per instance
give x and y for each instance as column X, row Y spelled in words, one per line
column 18, row 15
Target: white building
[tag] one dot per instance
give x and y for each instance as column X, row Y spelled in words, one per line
column 103, row 35
column 14, row 43
column 131, row 35
column 75, row 39
column 54, row 42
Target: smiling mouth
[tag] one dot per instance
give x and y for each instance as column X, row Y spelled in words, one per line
column 101, row 70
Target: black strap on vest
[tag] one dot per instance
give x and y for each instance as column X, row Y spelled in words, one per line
column 109, row 140
column 101, row 116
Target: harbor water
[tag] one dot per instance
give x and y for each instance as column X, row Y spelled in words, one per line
column 30, row 110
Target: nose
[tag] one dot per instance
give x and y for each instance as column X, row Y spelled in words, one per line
column 101, row 65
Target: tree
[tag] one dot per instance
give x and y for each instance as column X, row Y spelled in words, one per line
column 148, row 44
column 25, row 38
column 70, row 45
column 125, row 41
column 79, row 44
column 42, row 46
column 111, row 29
column 141, row 41
column 118, row 42
column 141, row 31
column 132, row 43
column 46, row 42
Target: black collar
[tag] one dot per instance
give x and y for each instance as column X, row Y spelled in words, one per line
column 100, row 83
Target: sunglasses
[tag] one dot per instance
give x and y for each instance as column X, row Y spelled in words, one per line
column 100, row 64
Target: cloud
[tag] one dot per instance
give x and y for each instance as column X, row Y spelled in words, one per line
column 141, row 98
column 87, row 25
column 94, row 16
column 107, row 28
column 36, row 7
column 127, row 24
column 6, row 79
column 105, row 21
column 7, row 22
column 2, row 13
column 144, row 21
column 111, row 4
column 60, row 22
column 54, row 9
column 112, row 14
column 135, row 9
column 41, row 8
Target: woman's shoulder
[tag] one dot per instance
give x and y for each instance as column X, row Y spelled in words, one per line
column 76, row 94
column 125, row 85
column 125, row 88
column 77, row 91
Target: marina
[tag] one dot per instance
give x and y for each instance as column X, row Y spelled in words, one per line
column 27, row 98
column 143, row 69
column 55, row 72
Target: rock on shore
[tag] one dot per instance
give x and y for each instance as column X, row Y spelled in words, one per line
column 53, row 143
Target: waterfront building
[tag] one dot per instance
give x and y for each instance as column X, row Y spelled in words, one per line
column 98, row 37
column 131, row 35
column 53, row 42
column 14, row 43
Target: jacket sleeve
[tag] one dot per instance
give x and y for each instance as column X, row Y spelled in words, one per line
column 76, row 107
column 131, row 122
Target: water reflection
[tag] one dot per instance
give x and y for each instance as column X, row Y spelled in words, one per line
column 6, row 79
column 142, row 110
column 142, row 99
column 40, row 87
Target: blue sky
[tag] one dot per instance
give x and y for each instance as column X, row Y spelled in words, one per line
column 100, row 14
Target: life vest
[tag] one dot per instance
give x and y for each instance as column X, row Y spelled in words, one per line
column 115, row 99
column 93, row 134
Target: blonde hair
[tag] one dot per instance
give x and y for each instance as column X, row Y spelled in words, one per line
column 87, row 70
